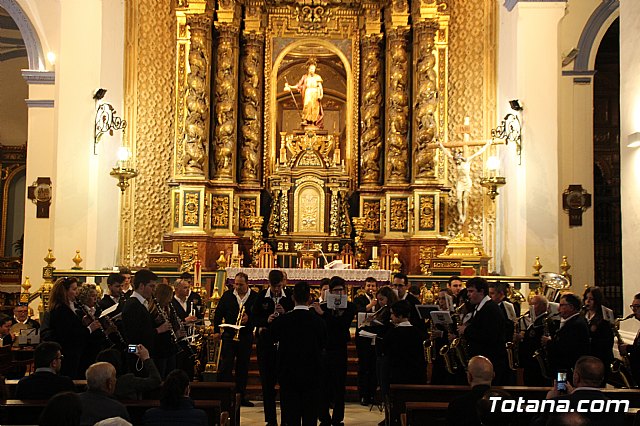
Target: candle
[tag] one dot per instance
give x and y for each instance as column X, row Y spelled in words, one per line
column 197, row 273
column 467, row 121
column 235, row 250
column 336, row 156
column 283, row 155
column 374, row 252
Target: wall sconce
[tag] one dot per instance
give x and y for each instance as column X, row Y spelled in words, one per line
column 510, row 128
column 633, row 140
column 106, row 119
column 493, row 182
column 123, row 171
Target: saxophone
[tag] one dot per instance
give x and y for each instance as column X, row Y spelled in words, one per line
column 512, row 347
column 449, row 360
column 622, row 367
column 459, row 346
column 540, row 354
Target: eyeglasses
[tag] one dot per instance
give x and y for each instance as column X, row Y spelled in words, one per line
column 564, row 304
column 634, row 306
column 61, row 357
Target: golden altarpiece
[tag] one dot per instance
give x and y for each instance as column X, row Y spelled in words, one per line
column 392, row 85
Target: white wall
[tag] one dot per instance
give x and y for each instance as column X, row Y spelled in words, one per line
column 630, row 157
column 528, row 69
column 87, row 37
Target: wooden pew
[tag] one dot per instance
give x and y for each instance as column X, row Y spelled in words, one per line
column 401, row 395
column 23, row 412
column 216, row 391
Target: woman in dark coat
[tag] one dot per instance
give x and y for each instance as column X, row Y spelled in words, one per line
column 176, row 408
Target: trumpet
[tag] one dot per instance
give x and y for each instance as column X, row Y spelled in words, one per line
column 236, row 337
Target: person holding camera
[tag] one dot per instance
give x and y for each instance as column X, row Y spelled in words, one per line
column 128, row 385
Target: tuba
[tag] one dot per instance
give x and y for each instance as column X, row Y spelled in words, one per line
column 552, row 285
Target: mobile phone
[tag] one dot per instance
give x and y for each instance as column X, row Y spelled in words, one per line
column 132, row 349
column 561, row 381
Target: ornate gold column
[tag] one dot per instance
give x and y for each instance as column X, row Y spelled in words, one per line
column 193, row 79
column 425, row 99
column 226, row 79
column 397, row 101
column 251, row 94
column 371, row 100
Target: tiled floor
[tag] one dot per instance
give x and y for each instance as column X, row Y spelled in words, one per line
column 355, row 415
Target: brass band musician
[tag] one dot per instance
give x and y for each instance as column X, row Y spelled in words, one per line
column 234, row 308
column 632, row 350
column 529, row 341
column 366, row 302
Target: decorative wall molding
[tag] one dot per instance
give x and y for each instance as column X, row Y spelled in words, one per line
column 39, row 77
column 510, row 4
column 40, row 103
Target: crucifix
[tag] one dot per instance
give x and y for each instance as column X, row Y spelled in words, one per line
column 462, row 159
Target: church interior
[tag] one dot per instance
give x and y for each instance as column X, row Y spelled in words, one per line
column 432, row 137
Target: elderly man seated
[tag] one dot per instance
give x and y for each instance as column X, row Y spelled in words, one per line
column 97, row 402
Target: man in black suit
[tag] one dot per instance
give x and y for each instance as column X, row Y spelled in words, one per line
column 632, row 351
column 114, row 284
column 498, row 293
column 588, row 376
column 137, row 323
column 462, row 410
column 366, row 302
column 236, row 351
column 571, row 341
column 484, row 331
column 270, row 304
column 46, row 381
column 455, row 284
column 21, row 315
column 302, row 336
column 338, row 321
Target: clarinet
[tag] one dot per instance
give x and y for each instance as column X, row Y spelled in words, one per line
column 186, row 345
column 106, row 339
column 163, row 315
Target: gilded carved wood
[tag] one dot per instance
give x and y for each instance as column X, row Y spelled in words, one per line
column 371, row 107
column 426, row 100
column 251, row 93
column 397, row 107
column 196, row 128
column 225, row 86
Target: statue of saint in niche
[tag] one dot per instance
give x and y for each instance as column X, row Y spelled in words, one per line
column 310, row 87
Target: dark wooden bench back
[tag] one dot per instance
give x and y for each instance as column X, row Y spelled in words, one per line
column 23, row 412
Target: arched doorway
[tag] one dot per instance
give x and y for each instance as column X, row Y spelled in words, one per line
column 606, row 168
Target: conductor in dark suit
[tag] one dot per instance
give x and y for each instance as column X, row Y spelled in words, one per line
column 46, row 381
column 236, row 351
column 484, row 331
column 302, row 337
column 571, row 341
column 270, row 304
column 338, row 320
column 139, row 327
column 367, row 382
column 400, row 283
